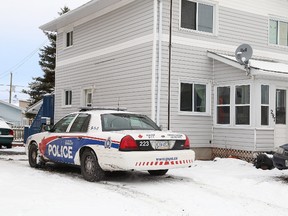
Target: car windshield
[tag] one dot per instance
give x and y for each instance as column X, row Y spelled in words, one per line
column 126, row 121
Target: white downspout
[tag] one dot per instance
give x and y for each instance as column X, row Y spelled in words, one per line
column 154, row 59
column 159, row 61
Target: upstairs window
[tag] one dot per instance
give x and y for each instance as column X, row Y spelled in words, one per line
column 197, row 16
column 67, row 98
column 278, row 32
column 69, row 39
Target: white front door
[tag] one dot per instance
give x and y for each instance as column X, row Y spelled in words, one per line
column 280, row 114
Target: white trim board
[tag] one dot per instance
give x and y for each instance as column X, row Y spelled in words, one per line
column 165, row 38
column 105, row 51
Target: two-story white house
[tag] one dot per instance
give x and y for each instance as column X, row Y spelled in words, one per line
column 174, row 60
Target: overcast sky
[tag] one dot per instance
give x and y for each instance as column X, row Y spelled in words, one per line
column 21, row 39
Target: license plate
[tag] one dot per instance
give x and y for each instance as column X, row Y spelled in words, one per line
column 160, row 145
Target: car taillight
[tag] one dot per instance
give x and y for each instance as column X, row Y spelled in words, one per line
column 11, row 132
column 187, row 143
column 128, row 144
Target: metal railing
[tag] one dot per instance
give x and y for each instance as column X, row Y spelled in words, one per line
column 18, row 133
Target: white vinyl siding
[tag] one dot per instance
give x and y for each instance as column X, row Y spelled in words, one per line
column 189, row 65
column 119, row 78
column 123, row 77
column 116, row 80
column 124, row 24
column 233, row 138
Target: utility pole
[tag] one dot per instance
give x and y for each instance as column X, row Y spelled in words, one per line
column 170, row 62
column 10, row 91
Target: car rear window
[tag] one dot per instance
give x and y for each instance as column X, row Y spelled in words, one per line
column 3, row 124
column 124, row 121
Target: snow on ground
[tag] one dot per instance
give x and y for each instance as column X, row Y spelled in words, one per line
column 221, row 187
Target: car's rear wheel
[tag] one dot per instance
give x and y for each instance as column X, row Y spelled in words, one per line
column 90, row 167
column 9, row 146
column 32, row 155
column 157, row 172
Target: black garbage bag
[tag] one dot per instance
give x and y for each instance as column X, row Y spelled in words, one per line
column 263, row 162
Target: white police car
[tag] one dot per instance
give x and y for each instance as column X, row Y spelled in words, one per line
column 101, row 140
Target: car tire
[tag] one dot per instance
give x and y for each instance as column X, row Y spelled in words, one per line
column 32, row 155
column 9, row 146
column 157, row 172
column 90, row 168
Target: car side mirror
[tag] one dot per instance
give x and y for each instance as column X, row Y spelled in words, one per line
column 47, row 128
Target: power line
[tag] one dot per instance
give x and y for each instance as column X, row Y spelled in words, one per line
column 23, row 61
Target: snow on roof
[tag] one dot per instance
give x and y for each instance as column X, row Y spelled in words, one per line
column 11, row 105
column 257, row 66
column 35, row 107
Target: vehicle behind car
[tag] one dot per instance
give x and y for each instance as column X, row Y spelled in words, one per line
column 280, row 157
column 6, row 134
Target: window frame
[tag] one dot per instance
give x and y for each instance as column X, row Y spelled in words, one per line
column 233, row 105
column 84, row 125
column 207, row 101
column 85, row 93
column 69, row 99
column 278, row 20
column 69, row 35
column 265, row 104
column 238, row 105
column 69, row 118
column 223, row 105
column 215, row 17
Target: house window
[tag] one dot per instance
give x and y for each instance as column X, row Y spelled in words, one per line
column 81, row 123
column 193, row 97
column 88, row 97
column 278, row 32
column 69, row 39
column 280, row 106
column 197, row 16
column 62, row 125
column 223, row 105
column 264, row 104
column 242, row 105
column 67, row 97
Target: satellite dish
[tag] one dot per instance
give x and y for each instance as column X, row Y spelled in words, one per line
column 243, row 53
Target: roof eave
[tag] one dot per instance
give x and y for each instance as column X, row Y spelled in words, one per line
column 84, row 12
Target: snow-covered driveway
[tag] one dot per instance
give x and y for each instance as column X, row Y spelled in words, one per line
column 220, row 187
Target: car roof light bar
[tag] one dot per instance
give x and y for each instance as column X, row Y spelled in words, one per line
column 83, row 109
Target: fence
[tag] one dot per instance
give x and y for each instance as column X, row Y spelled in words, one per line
column 18, row 133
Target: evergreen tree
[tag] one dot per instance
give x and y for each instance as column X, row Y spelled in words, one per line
column 46, row 84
